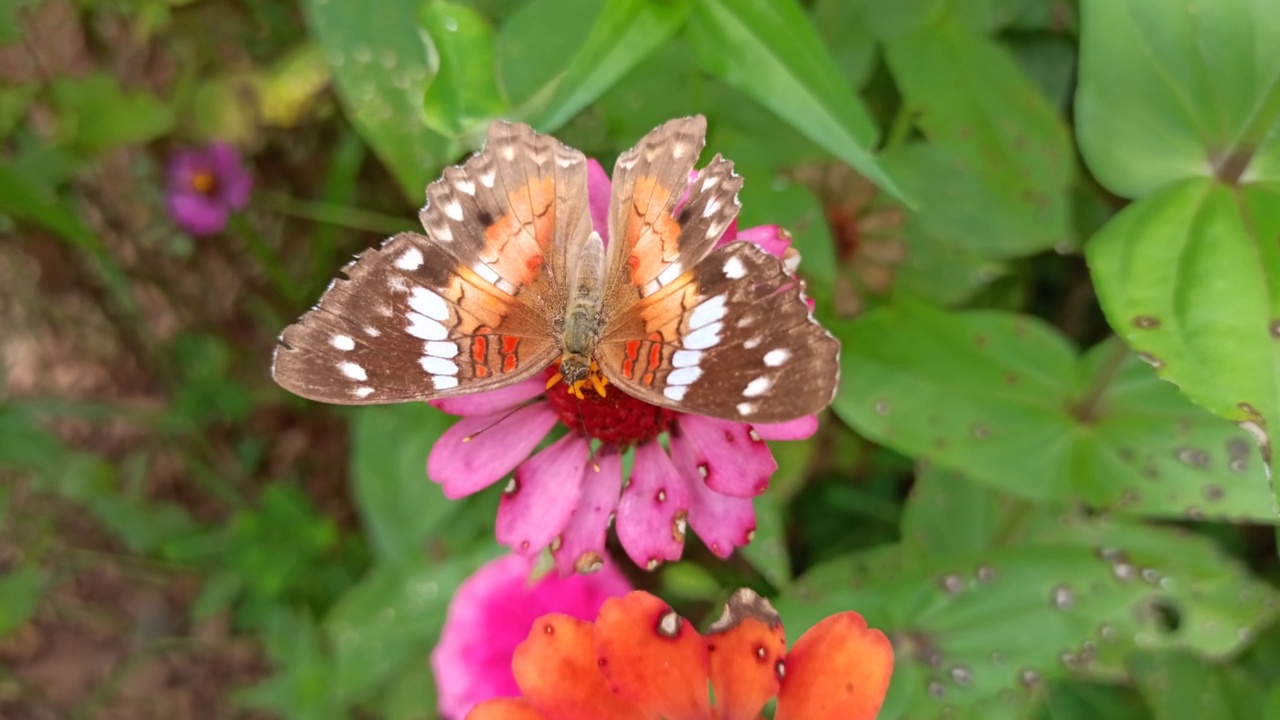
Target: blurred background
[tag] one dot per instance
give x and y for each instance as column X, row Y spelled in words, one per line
column 980, row 189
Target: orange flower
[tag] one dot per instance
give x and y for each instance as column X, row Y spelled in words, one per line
column 642, row 661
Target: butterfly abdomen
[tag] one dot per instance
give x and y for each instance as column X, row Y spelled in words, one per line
column 582, row 319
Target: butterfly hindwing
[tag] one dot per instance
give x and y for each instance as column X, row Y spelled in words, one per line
column 730, row 338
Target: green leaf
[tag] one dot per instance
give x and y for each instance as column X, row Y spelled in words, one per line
column 13, row 107
column 1181, row 686
column 464, row 93
column 1190, row 277
column 96, row 114
column 20, row 592
column 1003, row 399
column 301, row 686
column 390, row 616
column 778, row 60
column 625, row 33
column 948, row 516
column 399, row 506
column 380, row 66
column 767, row 551
column 1003, row 162
column 1171, row 90
column 531, row 60
column 847, row 36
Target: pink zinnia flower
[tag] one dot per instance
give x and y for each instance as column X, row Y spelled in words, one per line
column 490, row 616
column 205, row 186
column 705, row 478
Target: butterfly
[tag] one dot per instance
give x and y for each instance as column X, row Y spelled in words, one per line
column 511, row 278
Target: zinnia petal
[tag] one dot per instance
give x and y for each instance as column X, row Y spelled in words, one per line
column 505, row 709
column 464, row 466
column 196, row 213
column 234, row 181
column 746, row 648
column 599, row 188
column 839, row 670
column 492, row 401
column 542, row 496
column 652, row 657
column 654, row 508
column 798, row 429
column 557, row 671
column 581, row 545
column 729, row 459
column 771, row 238
column 722, row 521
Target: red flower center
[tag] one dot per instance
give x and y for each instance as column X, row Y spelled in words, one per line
column 615, row 417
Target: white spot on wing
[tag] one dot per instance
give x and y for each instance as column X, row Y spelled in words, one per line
column 486, row 272
column 675, row 393
column 429, row 303
column 467, row 187
column 686, row 358
column 752, row 343
column 442, row 233
column 671, row 273
column 423, row 327
column 709, row 182
column 442, row 349
column 343, row 342
column 362, row 392
column 372, row 331
column 757, row 387
column 454, row 210
column 776, row 357
column 353, row 371
column 444, row 382
column 712, row 206
column 410, row 260
column 734, row 269
column 508, row 153
column 684, row 375
column 707, row 312
column 438, row 366
column 704, row 337
column 746, row 408
column 487, row 178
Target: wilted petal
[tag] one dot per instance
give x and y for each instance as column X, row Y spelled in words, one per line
column 197, row 214
column 542, row 496
column 746, row 647
column 492, row 401
column 839, row 670
column 557, row 672
column 581, row 546
column 653, row 510
column 653, row 657
column 506, row 709
column 598, row 191
column 727, row 456
column 772, row 238
column 798, row 429
column 464, row 466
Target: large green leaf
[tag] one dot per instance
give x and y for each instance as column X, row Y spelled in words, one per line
column 769, row 52
column 381, row 68
column 1190, row 277
column 1003, row 399
column 1003, row 162
column 1178, row 685
column 464, row 93
column 625, row 33
column 1172, row 89
column 399, row 506
column 531, row 60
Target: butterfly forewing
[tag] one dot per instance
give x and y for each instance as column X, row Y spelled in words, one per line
column 731, row 338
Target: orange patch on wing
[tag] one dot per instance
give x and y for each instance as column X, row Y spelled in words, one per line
column 651, row 232
column 479, row 348
column 655, row 356
column 509, row 344
column 508, row 247
column 839, row 670
column 633, row 354
column 652, row 657
column 509, row 363
column 556, row 670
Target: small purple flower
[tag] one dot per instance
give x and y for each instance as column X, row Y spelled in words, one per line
column 704, row 477
column 206, row 185
column 491, row 614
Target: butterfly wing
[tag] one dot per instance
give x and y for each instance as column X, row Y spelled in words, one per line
column 470, row 306
column 649, row 246
column 731, row 338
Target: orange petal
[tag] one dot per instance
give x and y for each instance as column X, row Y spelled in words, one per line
column 505, row 709
column 653, row 657
column 839, row 670
column 746, row 647
column 556, row 670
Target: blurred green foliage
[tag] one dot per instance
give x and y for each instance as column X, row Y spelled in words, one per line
column 1044, row 231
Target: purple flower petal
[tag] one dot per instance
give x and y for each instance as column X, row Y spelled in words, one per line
column 197, row 214
column 773, row 239
column 465, row 466
column 543, row 495
column 490, row 615
column 798, row 429
column 493, row 400
column 652, row 512
column 723, row 522
column 725, row 454
column 598, row 191
column 581, row 544
column 234, row 181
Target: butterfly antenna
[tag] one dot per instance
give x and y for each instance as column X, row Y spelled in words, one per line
column 505, row 415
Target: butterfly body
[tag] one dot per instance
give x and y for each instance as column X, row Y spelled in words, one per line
column 513, row 276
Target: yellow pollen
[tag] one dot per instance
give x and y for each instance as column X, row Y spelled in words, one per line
column 595, row 379
column 203, row 182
